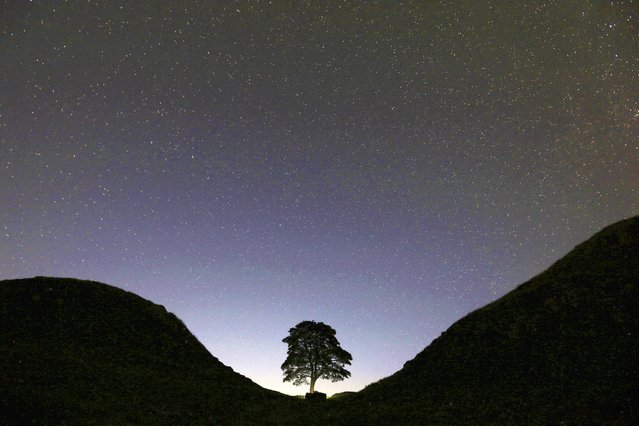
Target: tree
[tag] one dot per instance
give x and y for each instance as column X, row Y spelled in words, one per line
column 313, row 353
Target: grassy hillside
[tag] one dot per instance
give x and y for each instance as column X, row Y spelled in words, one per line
column 82, row 352
column 561, row 348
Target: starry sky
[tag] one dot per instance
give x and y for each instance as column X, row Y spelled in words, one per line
column 383, row 167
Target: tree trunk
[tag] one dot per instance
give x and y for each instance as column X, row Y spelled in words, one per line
column 313, row 379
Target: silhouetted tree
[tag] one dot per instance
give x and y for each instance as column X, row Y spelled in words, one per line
column 313, row 353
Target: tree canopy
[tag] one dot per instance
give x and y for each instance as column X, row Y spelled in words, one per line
column 314, row 352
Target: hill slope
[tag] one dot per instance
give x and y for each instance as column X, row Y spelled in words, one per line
column 84, row 352
column 563, row 347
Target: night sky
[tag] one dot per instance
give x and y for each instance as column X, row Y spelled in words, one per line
column 383, row 167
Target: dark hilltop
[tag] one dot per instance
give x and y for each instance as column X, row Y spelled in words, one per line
column 560, row 348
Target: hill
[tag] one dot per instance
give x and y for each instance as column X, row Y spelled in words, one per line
column 561, row 348
column 80, row 352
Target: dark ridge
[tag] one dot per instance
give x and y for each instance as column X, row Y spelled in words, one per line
column 561, row 348
column 82, row 352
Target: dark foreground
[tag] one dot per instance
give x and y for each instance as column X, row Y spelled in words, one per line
column 561, row 348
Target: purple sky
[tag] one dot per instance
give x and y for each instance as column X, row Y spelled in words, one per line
column 383, row 168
